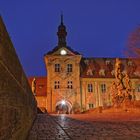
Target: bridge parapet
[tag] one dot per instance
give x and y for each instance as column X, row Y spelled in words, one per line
column 17, row 103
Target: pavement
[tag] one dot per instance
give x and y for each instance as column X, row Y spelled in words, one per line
column 67, row 127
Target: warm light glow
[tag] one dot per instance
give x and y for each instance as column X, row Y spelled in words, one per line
column 63, row 102
column 63, row 52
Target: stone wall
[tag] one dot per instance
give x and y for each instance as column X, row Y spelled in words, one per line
column 17, row 103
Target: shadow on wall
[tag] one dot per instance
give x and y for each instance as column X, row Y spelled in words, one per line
column 17, row 103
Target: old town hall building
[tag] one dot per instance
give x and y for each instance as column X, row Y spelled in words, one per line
column 74, row 83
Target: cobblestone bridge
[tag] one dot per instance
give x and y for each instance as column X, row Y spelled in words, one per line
column 63, row 127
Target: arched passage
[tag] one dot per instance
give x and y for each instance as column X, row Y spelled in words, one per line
column 63, row 107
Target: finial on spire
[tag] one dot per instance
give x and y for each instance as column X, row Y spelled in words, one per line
column 62, row 33
column 61, row 17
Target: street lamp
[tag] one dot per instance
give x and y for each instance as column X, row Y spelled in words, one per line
column 63, row 102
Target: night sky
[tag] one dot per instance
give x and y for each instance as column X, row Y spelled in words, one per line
column 96, row 28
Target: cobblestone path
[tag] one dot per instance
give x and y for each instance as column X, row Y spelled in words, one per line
column 61, row 127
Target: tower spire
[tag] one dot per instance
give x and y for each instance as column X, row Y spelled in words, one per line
column 61, row 18
column 61, row 33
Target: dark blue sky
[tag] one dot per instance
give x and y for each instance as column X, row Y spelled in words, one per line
column 96, row 28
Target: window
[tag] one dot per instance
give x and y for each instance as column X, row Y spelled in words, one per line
column 107, row 62
column 138, row 88
column 57, row 67
column 89, row 72
column 90, row 88
column 130, row 63
column 56, row 85
column 70, row 84
column 91, row 106
column 102, row 72
column 69, row 67
column 103, row 88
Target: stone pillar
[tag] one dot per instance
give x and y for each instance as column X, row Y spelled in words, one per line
column 97, row 94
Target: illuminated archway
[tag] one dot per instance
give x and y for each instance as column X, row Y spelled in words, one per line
column 64, row 106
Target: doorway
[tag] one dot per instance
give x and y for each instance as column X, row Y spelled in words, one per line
column 63, row 107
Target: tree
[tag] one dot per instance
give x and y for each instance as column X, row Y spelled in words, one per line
column 133, row 49
column 133, row 46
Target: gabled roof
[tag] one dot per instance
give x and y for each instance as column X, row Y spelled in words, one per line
column 57, row 48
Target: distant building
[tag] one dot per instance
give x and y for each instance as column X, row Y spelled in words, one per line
column 74, row 83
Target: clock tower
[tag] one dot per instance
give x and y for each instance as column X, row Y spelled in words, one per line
column 63, row 75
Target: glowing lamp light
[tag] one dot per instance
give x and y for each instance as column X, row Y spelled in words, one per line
column 63, row 102
column 63, row 52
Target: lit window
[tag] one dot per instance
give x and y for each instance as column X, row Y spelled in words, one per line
column 69, row 67
column 90, row 88
column 69, row 84
column 57, row 67
column 56, row 84
column 103, row 88
column 91, row 106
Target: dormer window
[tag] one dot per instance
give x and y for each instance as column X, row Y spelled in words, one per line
column 107, row 62
column 130, row 63
column 113, row 72
column 86, row 61
column 102, row 72
column 124, row 72
column 89, row 72
column 137, row 73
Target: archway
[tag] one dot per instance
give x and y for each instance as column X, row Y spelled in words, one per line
column 63, row 107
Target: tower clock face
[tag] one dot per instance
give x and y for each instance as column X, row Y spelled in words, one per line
column 63, row 52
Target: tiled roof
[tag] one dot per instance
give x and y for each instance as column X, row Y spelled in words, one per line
column 104, row 67
column 41, row 85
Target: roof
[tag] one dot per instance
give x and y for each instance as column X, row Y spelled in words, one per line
column 104, row 67
column 58, row 47
column 41, row 85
